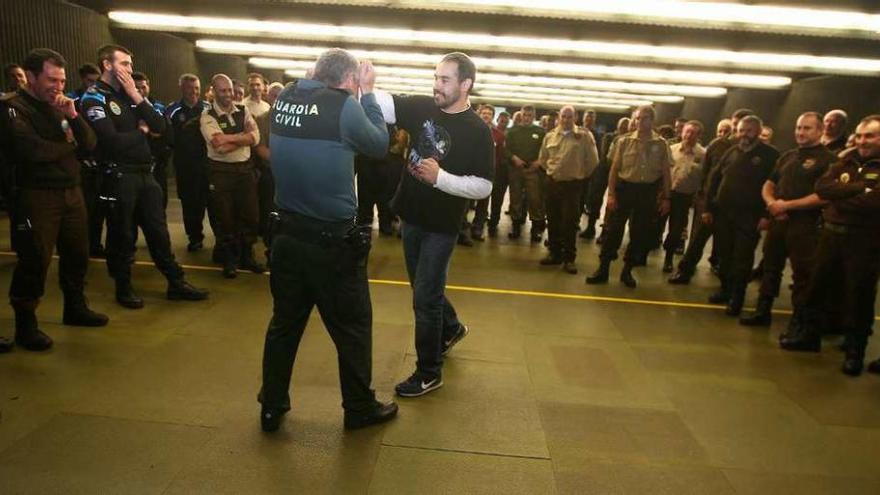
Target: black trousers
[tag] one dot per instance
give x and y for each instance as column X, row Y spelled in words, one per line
column 499, row 189
column 677, row 219
column 594, row 193
column 563, row 215
column 42, row 219
column 160, row 173
column 697, row 244
column 236, row 207
column 137, row 202
column 377, row 181
column 852, row 255
column 266, row 193
column 794, row 239
column 91, row 176
column 636, row 205
column 193, row 189
column 332, row 276
column 737, row 237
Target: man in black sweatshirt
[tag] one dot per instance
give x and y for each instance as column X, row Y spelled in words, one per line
column 41, row 130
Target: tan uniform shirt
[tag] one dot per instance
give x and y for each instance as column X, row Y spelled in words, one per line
column 210, row 126
column 641, row 161
column 687, row 168
column 256, row 108
column 569, row 155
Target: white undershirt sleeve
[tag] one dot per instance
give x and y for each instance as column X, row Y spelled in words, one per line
column 463, row 186
column 386, row 103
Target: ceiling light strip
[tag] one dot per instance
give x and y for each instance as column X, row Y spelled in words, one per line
column 465, row 41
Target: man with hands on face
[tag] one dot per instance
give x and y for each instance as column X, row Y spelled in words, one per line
column 42, row 130
column 451, row 162
column 123, row 120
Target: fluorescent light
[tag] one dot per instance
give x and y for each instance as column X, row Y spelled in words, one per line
column 763, row 18
column 519, row 66
column 587, row 84
column 548, row 46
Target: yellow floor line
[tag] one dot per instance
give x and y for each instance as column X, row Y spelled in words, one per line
column 490, row 290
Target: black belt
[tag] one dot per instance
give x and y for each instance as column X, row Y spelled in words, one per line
column 130, row 168
column 311, row 229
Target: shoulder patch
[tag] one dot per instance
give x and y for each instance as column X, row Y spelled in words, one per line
column 96, row 113
column 94, row 96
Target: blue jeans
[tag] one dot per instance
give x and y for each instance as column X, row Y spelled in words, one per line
column 427, row 256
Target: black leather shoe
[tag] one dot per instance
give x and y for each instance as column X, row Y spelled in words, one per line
column 252, row 265
column 535, row 237
column 28, row 334
column 719, row 297
column 679, row 278
column 874, row 366
column 194, row 246
column 801, row 343
column 380, row 414
column 588, row 233
column 600, row 276
column 6, row 345
column 270, row 419
column 493, row 231
column 570, row 268
column 464, row 240
column 82, row 316
column 477, row 235
column 853, row 366
column 627, row 278
column 762, row 317
column 127, row 298
column 550, row 260
column 182, row 290
column 515, row 232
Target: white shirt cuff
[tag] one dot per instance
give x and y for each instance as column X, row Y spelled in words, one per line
column 463, row 186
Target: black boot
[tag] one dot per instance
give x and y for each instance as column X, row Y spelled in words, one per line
column 600, row 276
column 515, row 231
column 808, row 337
column 27, row 334
column 230, row 260
column 627, row 278
column 668, row 261
column 680, row 277
column 77, row 312
column 537, row 231
column 181, row 290
column 248, row 262
column 874, row 366
column 794, row 326
column 720, row 297
column 126, row 296
column 735, row 304
column 493, row 231
column 762, row 317
column 854, row 362
column 590, row 231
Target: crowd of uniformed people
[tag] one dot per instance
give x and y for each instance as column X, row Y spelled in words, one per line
column 84, row 171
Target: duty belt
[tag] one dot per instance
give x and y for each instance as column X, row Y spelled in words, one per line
column 312, row 230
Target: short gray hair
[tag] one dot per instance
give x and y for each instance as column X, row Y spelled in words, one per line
column 188, row 78
column 752, row 119
column 334, row 66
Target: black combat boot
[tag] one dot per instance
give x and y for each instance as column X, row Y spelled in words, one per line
column 600, row 276
column 77, row 312
column 515, row 231
column 248, row 262
column 735, row 304
column 794, row 326
column 854, row 362
column 181, row 290
column 126, row 296
column 807, row 338
column 627, row 278
column 680, row 277
column 668, row 261
column 230, row 260
column 27, row 334
column 537, row 231
column 762, row 317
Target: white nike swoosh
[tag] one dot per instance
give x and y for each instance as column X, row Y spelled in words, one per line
column 425, row 386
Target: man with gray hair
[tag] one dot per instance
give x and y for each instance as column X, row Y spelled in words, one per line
column 834, row 136
column 319, row 256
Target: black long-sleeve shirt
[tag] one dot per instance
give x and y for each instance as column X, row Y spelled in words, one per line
column 852, row 186
column 115, row 118
column 41, row 142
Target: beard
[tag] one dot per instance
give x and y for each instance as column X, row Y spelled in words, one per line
column 444, row 100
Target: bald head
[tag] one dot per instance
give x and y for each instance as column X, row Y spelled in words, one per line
column 221, row 84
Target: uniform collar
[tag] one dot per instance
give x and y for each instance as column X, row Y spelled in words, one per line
column 220, row 111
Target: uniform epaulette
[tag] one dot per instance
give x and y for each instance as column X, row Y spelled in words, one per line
column 94, row 93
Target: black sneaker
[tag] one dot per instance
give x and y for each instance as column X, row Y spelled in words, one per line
column 270, row 419
column 460, row 334
column 417, row 385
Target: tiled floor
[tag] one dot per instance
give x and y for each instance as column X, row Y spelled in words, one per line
column 546, row 395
